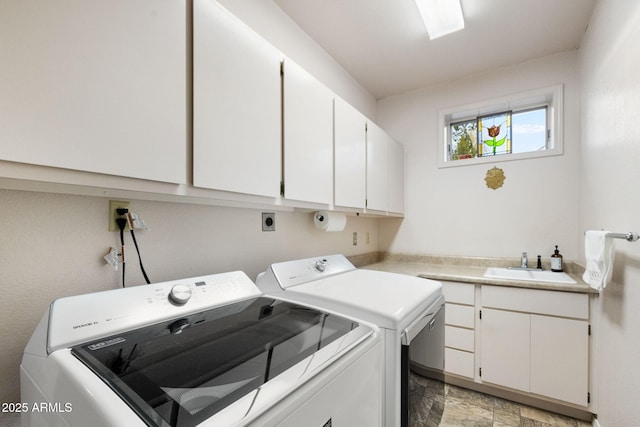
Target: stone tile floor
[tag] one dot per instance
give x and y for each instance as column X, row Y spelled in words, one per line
column 433, row 404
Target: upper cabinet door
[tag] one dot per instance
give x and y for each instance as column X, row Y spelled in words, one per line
column 385, row 172
column 236, row 105
column 396, row 177
column 350, row 156
column 308, row 137
column 96, row 86
column 377, row 168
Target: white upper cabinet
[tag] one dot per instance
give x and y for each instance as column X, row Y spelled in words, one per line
column 236, row 105
column 308, row 137
column 350, row 176
column 396, row 177
column 377, row 168
column 385, row 172
column 97, row 95
column 96, row 86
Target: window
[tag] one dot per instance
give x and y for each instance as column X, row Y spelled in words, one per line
column 523, row 126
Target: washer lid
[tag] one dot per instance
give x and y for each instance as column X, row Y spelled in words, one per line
column 224, row 365
column 388, row 300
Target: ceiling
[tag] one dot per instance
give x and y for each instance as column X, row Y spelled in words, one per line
column 383, row 43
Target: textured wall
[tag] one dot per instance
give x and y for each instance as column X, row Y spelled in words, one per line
column 609, row 60
column 52, row 246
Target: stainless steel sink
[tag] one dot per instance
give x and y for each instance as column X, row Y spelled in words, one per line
column 528, row 275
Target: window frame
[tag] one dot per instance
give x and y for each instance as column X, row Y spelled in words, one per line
column 550, row 97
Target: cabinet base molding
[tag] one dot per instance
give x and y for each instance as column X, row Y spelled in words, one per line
column 559, row 408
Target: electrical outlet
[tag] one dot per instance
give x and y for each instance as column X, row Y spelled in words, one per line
column 113, row 205
column 268, row 221
column 355, row 238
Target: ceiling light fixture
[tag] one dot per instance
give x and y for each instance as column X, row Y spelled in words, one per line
column 441, row 17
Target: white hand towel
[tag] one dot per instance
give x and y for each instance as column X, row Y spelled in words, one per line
column 598, row 252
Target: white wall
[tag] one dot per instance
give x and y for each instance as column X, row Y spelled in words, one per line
column 609, row 64
column 52, row 245
column 451, row 211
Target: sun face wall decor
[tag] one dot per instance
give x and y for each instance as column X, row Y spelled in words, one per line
column 495, row 178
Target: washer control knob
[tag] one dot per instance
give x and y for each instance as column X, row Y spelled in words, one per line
column 320, row 265
column 180, row 294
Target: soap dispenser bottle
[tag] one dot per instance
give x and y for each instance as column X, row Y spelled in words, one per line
column 556, row 261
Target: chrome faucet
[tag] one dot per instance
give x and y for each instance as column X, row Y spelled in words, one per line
column 523, row 260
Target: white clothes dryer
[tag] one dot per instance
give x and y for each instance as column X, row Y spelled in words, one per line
column 409, row 311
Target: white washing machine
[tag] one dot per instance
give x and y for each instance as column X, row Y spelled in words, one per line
column 206, row 351
column 409, row 311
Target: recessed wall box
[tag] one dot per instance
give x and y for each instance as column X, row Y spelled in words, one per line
column 268, row 221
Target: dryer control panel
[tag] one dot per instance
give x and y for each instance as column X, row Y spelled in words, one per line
column 81, row 318
column 284, row 275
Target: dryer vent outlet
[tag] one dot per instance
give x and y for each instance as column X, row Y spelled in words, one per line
column 268, row 221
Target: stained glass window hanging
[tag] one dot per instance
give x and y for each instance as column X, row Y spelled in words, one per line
column 494, row 134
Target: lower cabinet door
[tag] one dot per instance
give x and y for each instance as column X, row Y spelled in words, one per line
column 505, row 348
column 459, row 362
column 560, row 358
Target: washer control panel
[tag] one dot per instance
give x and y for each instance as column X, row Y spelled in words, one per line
column 81, row 318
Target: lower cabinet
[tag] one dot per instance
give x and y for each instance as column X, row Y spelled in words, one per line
column 505, row 348
column 536, row 341
column 529, row 340
column 459, row 352
column 560, row 358
column 458, row 362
